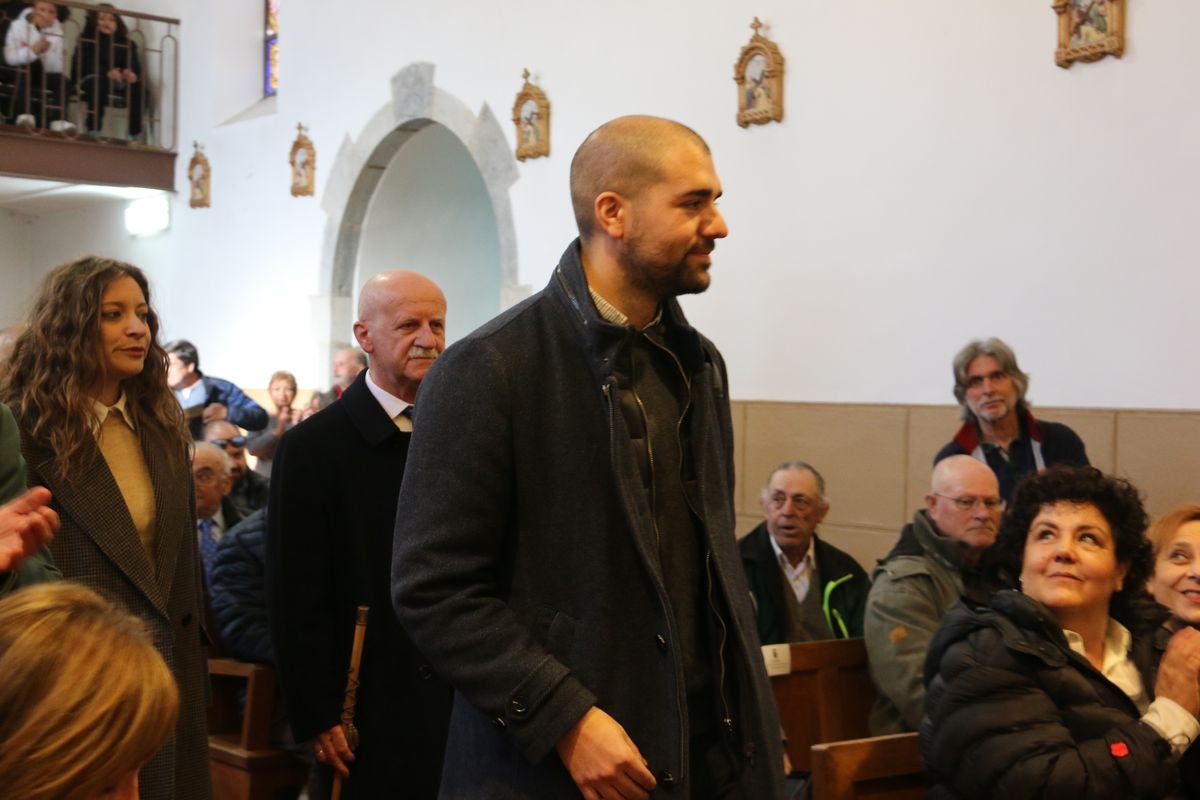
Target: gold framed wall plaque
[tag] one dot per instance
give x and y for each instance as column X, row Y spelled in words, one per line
column 199, row 178
column 759, row 77
column 531, row 116
column 303, row 159
column 1089, row 30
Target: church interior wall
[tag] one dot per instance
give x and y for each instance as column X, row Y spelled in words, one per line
column 16, row 232
column 936, row 178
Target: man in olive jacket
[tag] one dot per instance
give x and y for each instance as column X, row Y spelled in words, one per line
column 566, row 556
column 26, row 520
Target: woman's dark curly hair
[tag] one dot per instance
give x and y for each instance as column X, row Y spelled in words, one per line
column 1117, row 500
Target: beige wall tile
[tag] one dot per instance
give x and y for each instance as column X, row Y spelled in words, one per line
column 746, row 523
column 1160, row 453
column 929, row 428
column 1097, row 428
column 877, row 459
column 859, row 449
column 866, row 545
column 738, row 411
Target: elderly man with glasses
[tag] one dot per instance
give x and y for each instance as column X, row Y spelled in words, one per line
column 802, row 587
column 250, row 491
column 935, row 562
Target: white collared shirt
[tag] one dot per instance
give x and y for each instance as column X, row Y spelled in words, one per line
column 799, row 576
column 1165, row 716
column 190, row 396
column 392, row 406
column 218, row 524
column 100, row 413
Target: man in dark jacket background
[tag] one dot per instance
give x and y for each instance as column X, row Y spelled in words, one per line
column 566, row 557
column 334, row 486
column 998, row 427
column 205, row 398
column 804, row 588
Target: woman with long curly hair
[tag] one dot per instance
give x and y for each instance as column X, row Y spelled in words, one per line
column 72, row 731
column 101, row 430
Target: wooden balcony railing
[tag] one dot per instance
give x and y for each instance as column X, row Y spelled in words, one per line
column 89, row 94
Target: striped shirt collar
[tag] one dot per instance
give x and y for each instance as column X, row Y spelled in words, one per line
column 611, row 313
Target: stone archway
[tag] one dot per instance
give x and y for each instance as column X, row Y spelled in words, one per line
column 360, row 164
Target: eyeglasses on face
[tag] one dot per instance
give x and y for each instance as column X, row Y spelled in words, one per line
column 968, row 503
column 237, row 442
column 206, row 476
column 976, row 381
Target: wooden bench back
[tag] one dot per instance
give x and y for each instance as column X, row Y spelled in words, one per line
column 826, row 697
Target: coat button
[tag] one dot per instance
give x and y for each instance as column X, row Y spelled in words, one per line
column 500, row 723
column 424, row 672
column 666, row 779
column 517, row 705
column 662, row 642
column 187, row 619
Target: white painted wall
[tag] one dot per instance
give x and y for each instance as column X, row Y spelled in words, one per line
column 16, row 277
column 431, row 212
column 937, row 178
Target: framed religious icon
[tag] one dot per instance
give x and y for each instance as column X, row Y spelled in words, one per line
column 304, row 164
column 531, row 115
column 1089, row 30
column 759, row 77
column 199, row 175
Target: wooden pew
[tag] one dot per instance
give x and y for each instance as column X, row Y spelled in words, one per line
column 826, row 697
column 244, row 763
column 879, row 767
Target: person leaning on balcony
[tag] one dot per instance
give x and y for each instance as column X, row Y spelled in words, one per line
column 106, row 70
column 34, row 44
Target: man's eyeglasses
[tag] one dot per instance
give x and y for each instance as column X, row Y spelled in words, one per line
column 969, row 503
column 206, row 476
column 975, row 381
column 237, row 442
column 800, row 502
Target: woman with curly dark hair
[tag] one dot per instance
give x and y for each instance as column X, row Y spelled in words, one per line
column 101, row 430
column 1055, row 688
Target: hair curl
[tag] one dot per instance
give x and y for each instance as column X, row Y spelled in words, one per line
column 1117, row 500
column 86, row 698
column 57, row 362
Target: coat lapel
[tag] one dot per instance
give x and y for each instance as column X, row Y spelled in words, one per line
column 170, row 514
column 96, row 503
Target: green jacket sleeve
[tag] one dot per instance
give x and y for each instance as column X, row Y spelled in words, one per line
column 40, row 566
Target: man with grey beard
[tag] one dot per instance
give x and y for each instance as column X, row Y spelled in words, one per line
column 329, row 546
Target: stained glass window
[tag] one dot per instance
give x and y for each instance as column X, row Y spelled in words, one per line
column 271, row 48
